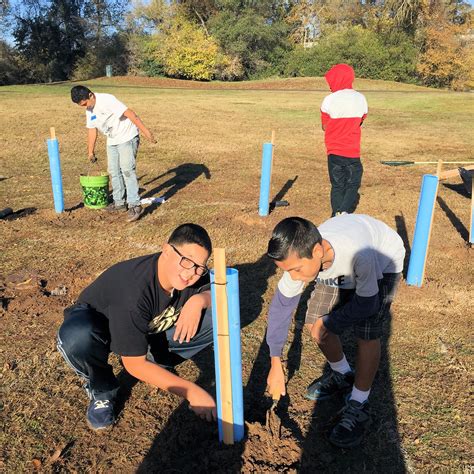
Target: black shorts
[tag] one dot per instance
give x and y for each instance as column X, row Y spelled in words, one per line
column 325, row 298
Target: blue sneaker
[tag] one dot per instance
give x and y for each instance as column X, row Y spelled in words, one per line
column 100, row 414
column 351, row 428
column 329, row 385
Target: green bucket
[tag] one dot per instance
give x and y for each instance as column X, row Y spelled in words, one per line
column 95, row 190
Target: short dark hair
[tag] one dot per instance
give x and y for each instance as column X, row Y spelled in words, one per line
column 79, row 93
column 293, row 234
column 191, row 234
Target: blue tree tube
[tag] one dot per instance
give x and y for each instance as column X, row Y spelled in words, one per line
column 56, row 178
column 421, row 238
column 233, row 304
column 264, row 204
column 232, row 276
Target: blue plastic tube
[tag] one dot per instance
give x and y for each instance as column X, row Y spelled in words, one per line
column 56, row 178
column 424, row 218
column 232, row 276
column 233, row 304
column 264, row 204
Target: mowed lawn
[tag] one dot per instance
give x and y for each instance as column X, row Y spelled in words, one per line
column 207, row 161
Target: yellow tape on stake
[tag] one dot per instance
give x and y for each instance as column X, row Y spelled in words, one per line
column 220, row 280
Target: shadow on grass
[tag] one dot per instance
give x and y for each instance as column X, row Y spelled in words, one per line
column 458, row 188
column 403, row 233
column 184, row 175
column 380, row 451
column 281, row 194
column 77, row 206
column 188, row 444
column 20, row 214
column 458, row 225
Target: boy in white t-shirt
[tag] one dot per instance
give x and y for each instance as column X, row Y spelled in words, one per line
column 356, row 262
column 121, row 126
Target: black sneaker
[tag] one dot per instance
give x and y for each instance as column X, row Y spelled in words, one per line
column 100, row 414
column 351, row 428
column 112, row 207
column 329, row 385
column 134, row 213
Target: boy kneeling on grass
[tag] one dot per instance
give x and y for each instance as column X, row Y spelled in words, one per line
column 356, row 262
column 154, row 312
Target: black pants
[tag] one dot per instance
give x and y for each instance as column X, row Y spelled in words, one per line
column 345, row 175
column 84, row 342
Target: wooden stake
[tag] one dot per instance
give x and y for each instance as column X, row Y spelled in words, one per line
column 439, row 168
column 453, row 173
column 223, row 341
column 273, row 137
column 53, row 133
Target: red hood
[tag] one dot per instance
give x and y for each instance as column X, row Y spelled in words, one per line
column 340, row 76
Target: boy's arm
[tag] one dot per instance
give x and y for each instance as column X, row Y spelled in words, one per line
column 279, row 317
column 190, row 316
column 130, row 114
column 91, row 140
column 199, row 400
column 324, row 120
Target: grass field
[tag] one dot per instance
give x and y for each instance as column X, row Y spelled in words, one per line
column 207, row 161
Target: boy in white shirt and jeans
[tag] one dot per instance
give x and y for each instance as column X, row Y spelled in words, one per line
column 356, row 262
column 121, row 126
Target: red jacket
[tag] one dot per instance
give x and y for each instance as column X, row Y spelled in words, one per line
column 342, row 113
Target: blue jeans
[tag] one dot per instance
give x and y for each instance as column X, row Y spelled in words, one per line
column 84, row 343
column 122, row 169
column 345, row 175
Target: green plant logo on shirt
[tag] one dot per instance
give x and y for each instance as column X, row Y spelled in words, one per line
column 164, row 320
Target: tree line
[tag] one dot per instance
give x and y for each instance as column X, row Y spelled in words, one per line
column 427, row 42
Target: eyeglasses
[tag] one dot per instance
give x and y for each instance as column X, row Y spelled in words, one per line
column 187, row 263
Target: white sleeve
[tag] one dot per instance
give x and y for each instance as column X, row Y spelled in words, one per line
column 90, row 120
column 325, row 106
column 289, row 287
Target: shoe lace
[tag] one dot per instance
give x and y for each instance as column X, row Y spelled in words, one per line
column 98, row 404
column 351, row 415
column 333, row 377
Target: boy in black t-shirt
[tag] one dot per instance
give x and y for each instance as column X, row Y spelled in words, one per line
column 154, row 312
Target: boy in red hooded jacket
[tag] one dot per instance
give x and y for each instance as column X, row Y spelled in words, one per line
column 342, row 114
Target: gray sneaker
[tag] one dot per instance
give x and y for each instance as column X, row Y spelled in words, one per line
column 134, row 213
column 112, row 207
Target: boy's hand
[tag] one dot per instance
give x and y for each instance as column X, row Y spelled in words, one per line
column 188, row 321
column 201, row 403
column 92, row 158
column 276, row 378
column 151, row 137
column 319, row 331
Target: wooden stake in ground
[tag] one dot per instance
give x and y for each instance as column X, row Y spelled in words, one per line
column 223, row 341
column 439, row 168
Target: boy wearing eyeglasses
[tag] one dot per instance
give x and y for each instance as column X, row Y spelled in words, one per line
column 152, row 311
